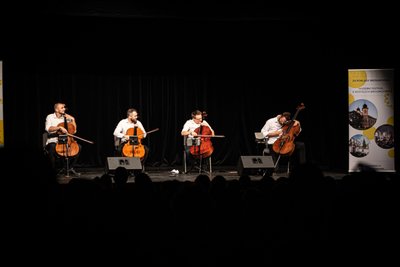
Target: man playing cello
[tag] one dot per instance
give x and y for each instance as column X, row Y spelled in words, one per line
column 272, row 130
column 123, row 129
column 55, row 126
column 190, row 131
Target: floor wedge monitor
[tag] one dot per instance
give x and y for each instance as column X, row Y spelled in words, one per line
column 250, row 165
column 129, row 163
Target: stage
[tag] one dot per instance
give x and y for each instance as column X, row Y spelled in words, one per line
column 161, row 174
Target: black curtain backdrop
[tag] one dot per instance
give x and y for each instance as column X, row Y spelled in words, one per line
column 241, row 71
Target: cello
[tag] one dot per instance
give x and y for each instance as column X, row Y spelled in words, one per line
column 284, row 145
column 134, row 147
column 67, row 145
column 205, row 148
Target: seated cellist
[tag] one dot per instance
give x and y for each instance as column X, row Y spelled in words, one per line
column 190, row 131
column 272, row 130
column 123, row 129
column 54, row 126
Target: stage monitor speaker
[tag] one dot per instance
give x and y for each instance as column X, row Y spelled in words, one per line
column 249, row 165
column 126, row 162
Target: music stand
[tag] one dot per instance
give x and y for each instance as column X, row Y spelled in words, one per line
column 188, row 142
column 63, row 139
column 201, row 161
column 134, row 140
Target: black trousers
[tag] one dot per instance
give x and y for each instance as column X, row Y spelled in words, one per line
column 58, row 161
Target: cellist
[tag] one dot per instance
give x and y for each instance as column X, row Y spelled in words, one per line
column 54, row 126
column 190, row 131
column 272, row 130
column 122, row 128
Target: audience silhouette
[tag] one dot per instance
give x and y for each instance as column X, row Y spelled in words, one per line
column 211, row 222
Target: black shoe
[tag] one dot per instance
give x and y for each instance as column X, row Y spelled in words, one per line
column 75, row 173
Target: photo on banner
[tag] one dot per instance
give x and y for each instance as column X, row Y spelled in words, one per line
column 371, row 119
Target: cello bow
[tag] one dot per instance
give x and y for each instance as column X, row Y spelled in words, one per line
column 151, row 131
column 209, row 135
column 80, row 138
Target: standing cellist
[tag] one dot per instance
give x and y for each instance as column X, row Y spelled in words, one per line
column 123, row 129
column 57, row 124
column 272, row 130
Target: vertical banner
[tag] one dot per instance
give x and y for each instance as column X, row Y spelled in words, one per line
column 1, row 106
column 371, row 119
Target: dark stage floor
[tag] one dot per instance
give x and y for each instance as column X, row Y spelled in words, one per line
column 160, row 174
